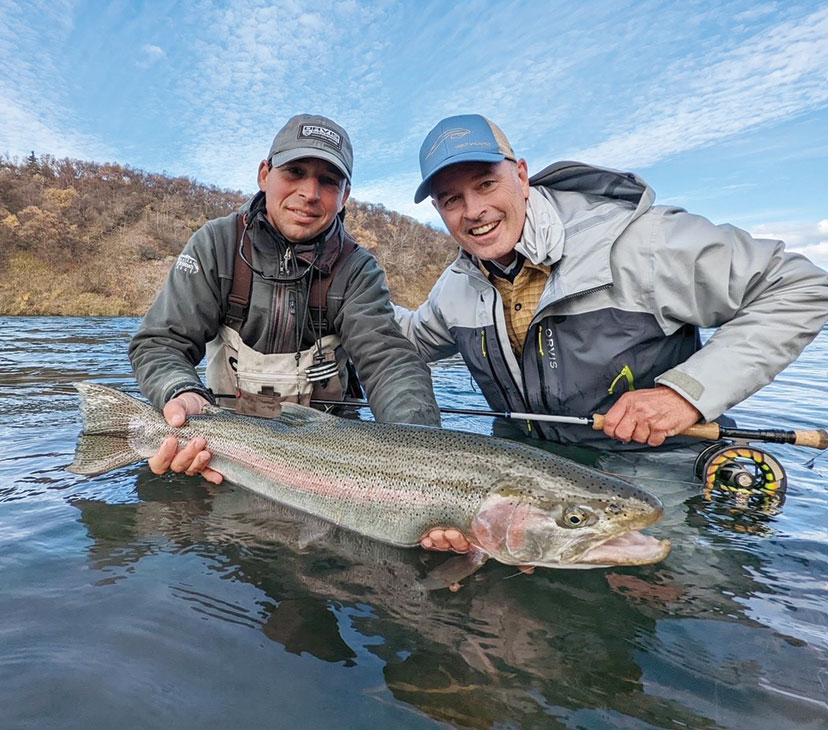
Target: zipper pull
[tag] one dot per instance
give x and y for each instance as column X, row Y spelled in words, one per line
column 283, row 264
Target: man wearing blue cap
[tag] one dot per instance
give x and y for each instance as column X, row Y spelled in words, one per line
column 573, row 294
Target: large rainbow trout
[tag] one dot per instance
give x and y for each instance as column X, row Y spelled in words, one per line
column 393, row 482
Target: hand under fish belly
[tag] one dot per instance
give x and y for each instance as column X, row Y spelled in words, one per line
column 392, row 482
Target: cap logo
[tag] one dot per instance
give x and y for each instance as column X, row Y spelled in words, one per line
column 316, row 131
column 456, row 133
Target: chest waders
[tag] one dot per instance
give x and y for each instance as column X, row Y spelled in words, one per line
column 260, row 381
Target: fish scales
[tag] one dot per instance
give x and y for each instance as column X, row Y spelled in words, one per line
column 366, row 481
column 390, row 482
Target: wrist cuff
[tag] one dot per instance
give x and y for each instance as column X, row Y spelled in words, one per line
column 190, row 388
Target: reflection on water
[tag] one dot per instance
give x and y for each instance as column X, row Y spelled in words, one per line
column 133, row 600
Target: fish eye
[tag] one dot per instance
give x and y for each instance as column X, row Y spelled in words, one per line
column 575, row 517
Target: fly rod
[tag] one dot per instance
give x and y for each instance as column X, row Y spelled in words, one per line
column 815, row 439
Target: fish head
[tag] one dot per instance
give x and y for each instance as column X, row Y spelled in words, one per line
column 525, row 523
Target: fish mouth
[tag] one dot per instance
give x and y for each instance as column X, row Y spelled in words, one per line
column 626, row 546
column 630, row 548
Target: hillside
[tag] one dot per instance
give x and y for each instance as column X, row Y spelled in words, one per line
column 82, row 238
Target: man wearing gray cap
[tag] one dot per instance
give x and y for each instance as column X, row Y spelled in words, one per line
column 283, row 301
column 573, row 294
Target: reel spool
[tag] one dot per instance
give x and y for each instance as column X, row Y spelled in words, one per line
column 750, row 476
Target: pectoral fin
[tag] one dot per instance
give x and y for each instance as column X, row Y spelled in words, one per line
column 449, row 573
column 313, row 532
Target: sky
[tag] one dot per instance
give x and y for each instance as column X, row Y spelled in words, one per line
column 721, row 107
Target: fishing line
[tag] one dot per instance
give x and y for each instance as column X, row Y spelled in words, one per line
column 513, row 575
column 654, row 479
column 810, row 463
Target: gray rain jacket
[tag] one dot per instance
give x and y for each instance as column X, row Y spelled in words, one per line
column 192, row 306
column 631, row 283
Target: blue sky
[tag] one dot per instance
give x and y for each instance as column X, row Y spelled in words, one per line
column 721, row 107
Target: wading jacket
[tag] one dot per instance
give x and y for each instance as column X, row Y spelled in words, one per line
column 192, row 306
column 630, row 286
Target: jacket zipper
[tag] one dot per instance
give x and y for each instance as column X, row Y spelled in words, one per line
column 541, row 371
column 491, row 367
column 581, row 293
column 540, row 354
column 283, row 316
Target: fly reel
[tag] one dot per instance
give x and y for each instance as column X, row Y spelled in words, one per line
column 748, row 476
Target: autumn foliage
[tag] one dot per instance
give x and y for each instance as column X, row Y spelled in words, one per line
column 83, row 238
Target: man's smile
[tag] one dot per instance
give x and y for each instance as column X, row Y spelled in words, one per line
column 303, row 214
column 484, row 229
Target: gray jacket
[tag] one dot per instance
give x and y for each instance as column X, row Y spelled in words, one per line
column 191, row 307
column 631, row 283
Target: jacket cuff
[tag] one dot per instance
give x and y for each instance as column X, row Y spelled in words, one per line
column 690, row 389
column 422, row 417
column 189, row 387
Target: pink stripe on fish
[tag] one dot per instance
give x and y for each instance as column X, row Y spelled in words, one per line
column 309, row 482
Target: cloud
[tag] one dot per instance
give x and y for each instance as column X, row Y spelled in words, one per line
column 363, row 65
column 33, row 116
column 26, row 129
column 817, row 252
column 215, row 79
column 278, row 61
column 397, row 193
column 149, row 55
column 777, row 74
column 756, row 12
column 808, row 238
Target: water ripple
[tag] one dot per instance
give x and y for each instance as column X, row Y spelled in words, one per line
column 130, row 595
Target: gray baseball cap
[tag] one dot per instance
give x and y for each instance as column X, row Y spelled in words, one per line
column 311, row 135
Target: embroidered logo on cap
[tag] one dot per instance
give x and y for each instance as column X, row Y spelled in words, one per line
column 316, row 131
column 456, row 133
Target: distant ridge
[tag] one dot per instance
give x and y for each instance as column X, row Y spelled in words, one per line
column 82, row 238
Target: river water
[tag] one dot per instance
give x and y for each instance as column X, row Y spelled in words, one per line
column 134, row 601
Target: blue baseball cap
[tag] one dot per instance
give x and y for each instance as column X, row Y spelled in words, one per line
column 462, row 138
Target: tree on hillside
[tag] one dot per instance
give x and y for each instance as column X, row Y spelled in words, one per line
column 108, row 231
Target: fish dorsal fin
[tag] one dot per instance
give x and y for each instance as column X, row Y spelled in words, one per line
column 294, row 414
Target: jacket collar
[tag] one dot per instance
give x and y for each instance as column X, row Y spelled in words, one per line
column 574, row 214
column 543, row 235
column 330, row 242
column 542, row 240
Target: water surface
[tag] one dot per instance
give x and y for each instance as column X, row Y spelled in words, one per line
column 135, row 601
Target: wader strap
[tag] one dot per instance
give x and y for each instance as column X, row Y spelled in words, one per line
column 239, row 300
column 328, row 294
column 332, row 287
